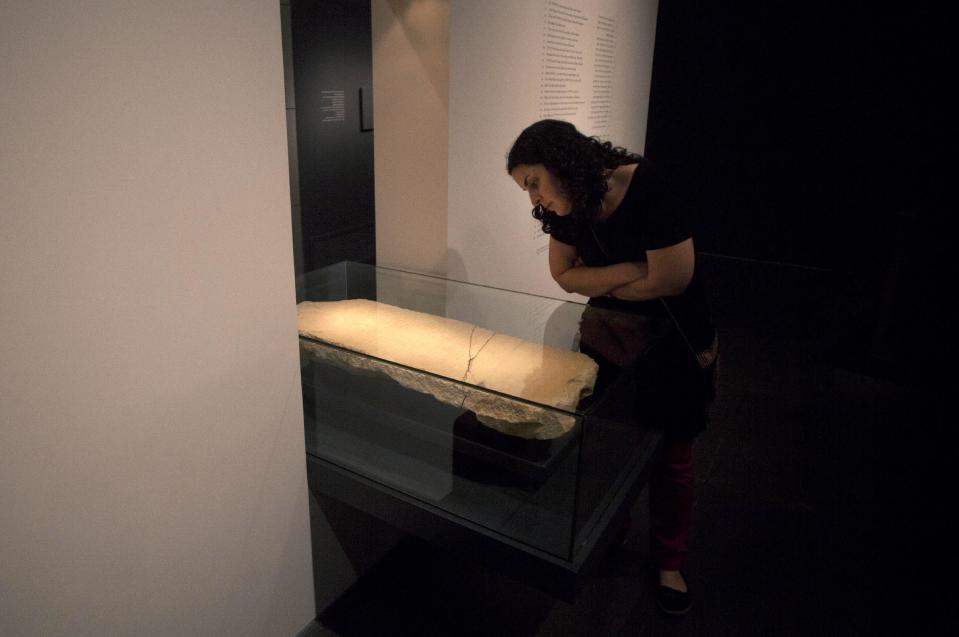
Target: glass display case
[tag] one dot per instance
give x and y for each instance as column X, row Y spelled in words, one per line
column 491, row 413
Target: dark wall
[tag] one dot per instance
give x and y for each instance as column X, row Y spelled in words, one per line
column 332, row 52
column 815, row 134
column 803, row 126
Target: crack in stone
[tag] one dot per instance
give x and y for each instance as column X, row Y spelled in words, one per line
column 472, row 357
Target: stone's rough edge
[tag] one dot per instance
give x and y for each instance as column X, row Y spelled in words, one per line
column 497, row 412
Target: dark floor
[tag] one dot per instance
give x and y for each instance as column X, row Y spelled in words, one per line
column 821, row 506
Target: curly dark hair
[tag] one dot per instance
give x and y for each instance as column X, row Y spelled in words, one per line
column 580, row 163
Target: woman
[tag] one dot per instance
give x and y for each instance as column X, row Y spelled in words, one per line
column 618, row 234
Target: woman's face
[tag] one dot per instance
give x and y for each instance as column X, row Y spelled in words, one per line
column 543, row 188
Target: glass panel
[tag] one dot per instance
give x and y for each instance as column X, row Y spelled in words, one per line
column 497, row 454
column 440, row 453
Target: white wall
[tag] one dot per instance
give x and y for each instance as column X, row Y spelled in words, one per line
column 497, row 88
column 152, row 474
column 410, row 102
column 454, row 83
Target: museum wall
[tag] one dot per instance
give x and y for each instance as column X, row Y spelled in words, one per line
column 331, row 63
column 293, row 156
column 152, row 477
column 588, row 62
column 410, row 112
column 455, row 83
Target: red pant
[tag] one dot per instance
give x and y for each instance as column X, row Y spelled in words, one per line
column 671, row 505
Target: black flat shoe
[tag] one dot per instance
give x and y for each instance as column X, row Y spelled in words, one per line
column 673, row 602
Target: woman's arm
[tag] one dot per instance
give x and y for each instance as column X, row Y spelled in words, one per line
column 669, row 272
column 589, row 281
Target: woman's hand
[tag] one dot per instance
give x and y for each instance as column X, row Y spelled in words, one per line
column 669, row 271
column 568, row 269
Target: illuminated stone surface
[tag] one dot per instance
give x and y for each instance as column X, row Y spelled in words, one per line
column 453, row 351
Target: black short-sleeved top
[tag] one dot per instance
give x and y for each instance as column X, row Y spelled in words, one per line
column 651, row 216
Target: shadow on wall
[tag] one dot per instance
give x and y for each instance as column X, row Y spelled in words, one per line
column 424, row 24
